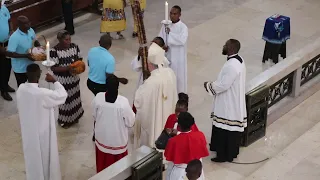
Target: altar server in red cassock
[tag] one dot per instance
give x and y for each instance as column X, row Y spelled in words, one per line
column 183, row 148
column 113, row 116
column 182, row 106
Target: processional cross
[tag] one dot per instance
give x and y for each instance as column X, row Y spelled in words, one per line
column 138, row 15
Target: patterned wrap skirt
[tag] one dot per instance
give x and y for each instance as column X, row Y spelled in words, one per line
column 71, row 111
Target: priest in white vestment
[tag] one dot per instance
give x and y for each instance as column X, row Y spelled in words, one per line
column 229, row 108
column 155, row 99
column 38, row 127
column 176, row 35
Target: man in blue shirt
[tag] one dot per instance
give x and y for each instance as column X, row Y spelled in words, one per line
column 5, row 63
column 102, row 64
column 18, row 49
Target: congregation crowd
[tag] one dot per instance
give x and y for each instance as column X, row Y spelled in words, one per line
column 160, row 104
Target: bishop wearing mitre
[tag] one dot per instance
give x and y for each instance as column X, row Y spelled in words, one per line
column 155, row 99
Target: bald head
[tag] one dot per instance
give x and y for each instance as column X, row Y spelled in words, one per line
column 105, row 41
column 23, row 23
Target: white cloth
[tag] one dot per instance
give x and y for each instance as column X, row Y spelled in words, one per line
column 178, row 171
column 112, row 123
column 38, row 50
column 38, row 129
column 154, row 100
column 229, row 107
column 177, row 52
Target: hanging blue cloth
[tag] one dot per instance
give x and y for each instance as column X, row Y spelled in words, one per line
column 277, row 29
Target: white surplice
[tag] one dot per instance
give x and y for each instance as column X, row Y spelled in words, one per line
column 154, row 100
column 229, row 107
column 38, row 129
column 177, row 52
column 112, row 123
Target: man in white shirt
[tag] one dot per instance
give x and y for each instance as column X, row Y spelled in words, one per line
column 155, row 99
column 113, row 116
column 176, row 35
column 38, row 127
column 229, row 108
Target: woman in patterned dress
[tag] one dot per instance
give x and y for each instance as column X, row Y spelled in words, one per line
column 64, row 54
column 113, row 17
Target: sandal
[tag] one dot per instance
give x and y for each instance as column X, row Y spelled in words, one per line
column 119, row 36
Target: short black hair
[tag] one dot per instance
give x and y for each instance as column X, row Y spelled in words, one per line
column 160, row 39
column 185, row 120
column 194, row 169
column 182, row 102
column 235, row 44
column 112, row 83
column 62, row 34
column 183, row 96
column 177, row 7
column 105, row 40
column 33, row 72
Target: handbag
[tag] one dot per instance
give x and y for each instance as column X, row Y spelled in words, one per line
column 162, row 140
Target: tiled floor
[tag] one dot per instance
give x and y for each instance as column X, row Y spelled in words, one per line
column 210, row 24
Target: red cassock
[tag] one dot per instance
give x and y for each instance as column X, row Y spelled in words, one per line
column 186, row 147
column 172, row 120
column 104, row 160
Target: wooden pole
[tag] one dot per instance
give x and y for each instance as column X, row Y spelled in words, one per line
column 138, row 15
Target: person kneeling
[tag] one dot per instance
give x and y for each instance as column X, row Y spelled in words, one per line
column 183, row 148
column 113, row 116
column 181, row 106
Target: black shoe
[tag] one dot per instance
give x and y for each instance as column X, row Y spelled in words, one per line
column 218, row 160
column 10, row 89
column 93, row 138
column 6, row 96
column 134, row 35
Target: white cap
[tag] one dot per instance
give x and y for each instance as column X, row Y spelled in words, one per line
column 156, row 55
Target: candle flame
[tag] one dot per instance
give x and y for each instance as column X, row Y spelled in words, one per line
column 166, row 2
column 48, row 43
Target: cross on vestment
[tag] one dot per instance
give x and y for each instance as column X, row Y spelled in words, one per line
column 138, row 15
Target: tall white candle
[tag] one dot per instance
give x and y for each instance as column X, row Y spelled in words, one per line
column 48, row 50
column 166, row 11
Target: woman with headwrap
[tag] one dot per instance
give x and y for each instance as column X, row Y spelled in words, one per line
column 64, row 54
column 113, row 116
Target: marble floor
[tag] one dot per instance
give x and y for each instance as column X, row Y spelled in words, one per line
column 210, row 24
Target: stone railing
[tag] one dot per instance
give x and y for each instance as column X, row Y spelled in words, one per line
column 272, row 93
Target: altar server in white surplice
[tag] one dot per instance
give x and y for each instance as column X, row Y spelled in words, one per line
column 38, row 128
column 229, row 108
column 155, row 99
column 177, row 34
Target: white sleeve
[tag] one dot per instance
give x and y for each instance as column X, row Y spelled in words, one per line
column 162, row 33
column 53, row 98
column 129, row 116
column 136, row 64
column 227, row 76
column 178, row 39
